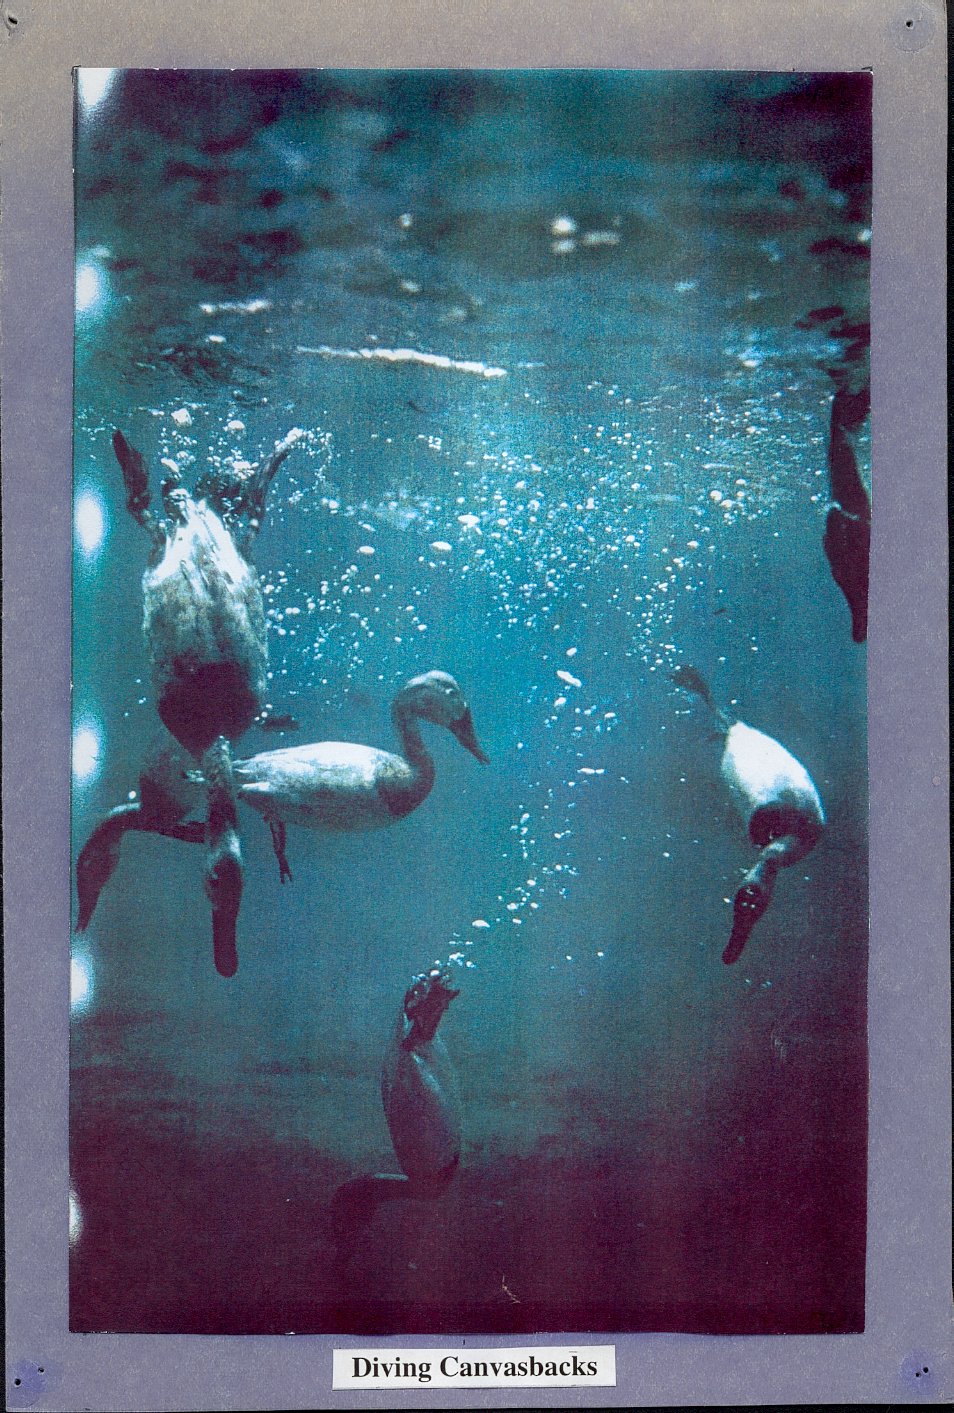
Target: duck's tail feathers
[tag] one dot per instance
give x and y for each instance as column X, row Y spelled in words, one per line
column 690, row 679
column 355, row 1202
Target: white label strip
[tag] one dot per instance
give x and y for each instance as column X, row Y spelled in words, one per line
column 557, row 1366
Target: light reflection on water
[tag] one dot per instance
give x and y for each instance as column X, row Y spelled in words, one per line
column 92, row 288
column 87, row 750
column 75, row 1219
column 81, row 983
column 89, row 521
column 93, row 86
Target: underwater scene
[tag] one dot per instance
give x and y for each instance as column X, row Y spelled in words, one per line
column 469, row 791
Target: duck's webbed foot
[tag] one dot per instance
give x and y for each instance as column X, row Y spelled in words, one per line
column 354, row 1203
column 279, row 840
column 848, row 526
column 847, row 545
column 136, row 481
column 434, row 1184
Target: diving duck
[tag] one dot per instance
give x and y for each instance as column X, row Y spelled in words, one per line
column 777, row 800
column 419, row 1086
column 204, row 626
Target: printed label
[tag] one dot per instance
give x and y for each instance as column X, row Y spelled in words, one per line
column 558, row 1366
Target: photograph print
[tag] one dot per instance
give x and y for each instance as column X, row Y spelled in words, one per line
column 472, row 499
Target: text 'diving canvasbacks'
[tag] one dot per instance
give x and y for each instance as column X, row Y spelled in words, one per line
column 204, row 627
column 421, row 1097
column 777, row 801
column 341, row 786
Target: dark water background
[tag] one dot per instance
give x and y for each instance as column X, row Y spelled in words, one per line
column 652, row 1140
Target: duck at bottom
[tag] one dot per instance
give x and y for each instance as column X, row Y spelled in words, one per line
column 421, row 1097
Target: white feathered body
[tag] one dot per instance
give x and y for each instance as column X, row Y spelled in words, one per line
column 761, row 775
column 204, row 626
column 329, row 785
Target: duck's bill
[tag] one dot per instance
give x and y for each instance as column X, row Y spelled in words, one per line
column 463, row 729
column 224, row 950
column 751, row 901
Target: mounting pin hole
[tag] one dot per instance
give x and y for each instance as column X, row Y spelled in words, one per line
column 913, row 27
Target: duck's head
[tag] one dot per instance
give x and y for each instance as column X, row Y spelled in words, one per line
column 425, row 1002
column 436, row 697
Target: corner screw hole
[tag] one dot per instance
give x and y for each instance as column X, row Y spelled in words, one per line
column 16, row 1383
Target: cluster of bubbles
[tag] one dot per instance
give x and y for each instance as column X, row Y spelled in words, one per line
column 508, row 523
column 623, row 532
column 540, row 552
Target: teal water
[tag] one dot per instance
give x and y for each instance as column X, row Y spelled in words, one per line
column 652, row 1140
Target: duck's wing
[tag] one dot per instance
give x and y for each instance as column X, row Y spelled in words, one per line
column 330, row 785
column 252, row 503
column 136, row 481
column 322, row 763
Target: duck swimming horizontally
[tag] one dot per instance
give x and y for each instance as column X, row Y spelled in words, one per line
column 777, row 800
column 341, row 786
